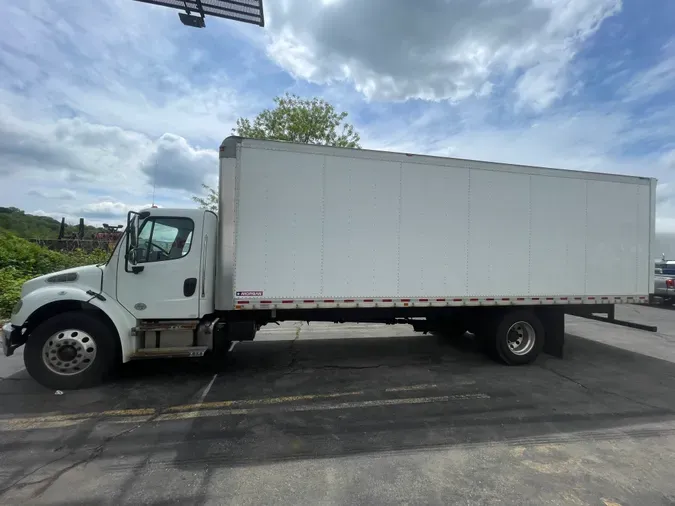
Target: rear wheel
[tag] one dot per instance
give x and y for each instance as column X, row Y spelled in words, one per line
column 518, row 337
column 69, row 351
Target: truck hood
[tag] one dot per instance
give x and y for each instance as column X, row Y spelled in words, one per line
column 88, row 277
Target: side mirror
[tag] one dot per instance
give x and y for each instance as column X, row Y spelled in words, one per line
column 131, row 254
column 132, row 230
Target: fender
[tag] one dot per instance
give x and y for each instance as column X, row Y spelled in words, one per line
column 62, row 295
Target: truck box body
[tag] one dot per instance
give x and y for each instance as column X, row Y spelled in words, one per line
column 305, row 226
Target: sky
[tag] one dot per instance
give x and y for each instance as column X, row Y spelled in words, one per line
column 104, row 104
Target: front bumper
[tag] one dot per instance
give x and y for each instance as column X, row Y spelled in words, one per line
column 11, row 338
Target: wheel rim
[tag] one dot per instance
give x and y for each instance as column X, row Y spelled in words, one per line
column 69, row 352
column 521, row 338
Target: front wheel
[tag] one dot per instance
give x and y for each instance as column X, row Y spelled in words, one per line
column 70, row 351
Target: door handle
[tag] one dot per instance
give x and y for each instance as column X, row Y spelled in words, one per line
column 189, row 287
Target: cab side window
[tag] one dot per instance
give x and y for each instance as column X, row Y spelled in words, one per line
column 163, row 239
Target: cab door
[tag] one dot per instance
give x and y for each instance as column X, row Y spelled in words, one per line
column 164, row 280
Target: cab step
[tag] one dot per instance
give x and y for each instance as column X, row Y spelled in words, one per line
column 161, row 325
column 175, row 352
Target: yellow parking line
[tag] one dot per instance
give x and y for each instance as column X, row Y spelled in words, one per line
column 266, row 401
column 318, row 407
column 222, row 408
column 410, row 388
column 129, row 412
column 76, row 416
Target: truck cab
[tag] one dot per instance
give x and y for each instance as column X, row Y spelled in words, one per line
column 152, row 298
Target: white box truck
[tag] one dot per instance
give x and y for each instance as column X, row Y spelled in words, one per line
column 317, row 233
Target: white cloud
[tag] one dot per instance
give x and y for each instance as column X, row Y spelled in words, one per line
column 69, row 149
column 107, row 63
column 654, row 80
column 57, row 194
column 177, row 165
column 102, row 210
column 99, row 100
column 395, row 50
column 106, row 170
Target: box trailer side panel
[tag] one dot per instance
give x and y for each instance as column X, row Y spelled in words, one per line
column 323, row 224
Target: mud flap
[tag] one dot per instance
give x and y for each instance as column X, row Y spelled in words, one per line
column 554, row 326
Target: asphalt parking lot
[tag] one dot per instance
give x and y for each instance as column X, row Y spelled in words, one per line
column 304, row 416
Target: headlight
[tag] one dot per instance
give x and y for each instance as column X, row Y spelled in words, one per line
column 17, row 307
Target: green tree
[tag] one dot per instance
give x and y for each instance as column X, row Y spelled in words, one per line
column 209, row 201
column 302, row 120
column 293, row 119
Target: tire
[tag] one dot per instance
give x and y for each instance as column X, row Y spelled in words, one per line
column 70, row 351
column 518, row 337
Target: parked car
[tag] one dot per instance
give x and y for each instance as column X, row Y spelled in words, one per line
column 664, row 282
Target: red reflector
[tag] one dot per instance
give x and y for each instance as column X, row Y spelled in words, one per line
column 329, row 300
column 563, row 298
column 368, row 300
column 489, row 299
column 348, row 300
column 456, row 300
column 605, row 298
column 424, row 300
column 308, row 301
column 287, row 302
column 386, row 300
column 505, row 298
column 265, row 301
column 405, row 300
column 473, row 300
column 440, row 300
column 535, row 298
column 577, row 298
column 643, row 298
column 242, row 302
column 520, row 298
column 669, row 283
column 591, row 298
column 549, row 298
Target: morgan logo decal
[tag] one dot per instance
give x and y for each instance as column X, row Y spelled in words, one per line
column 250, row 293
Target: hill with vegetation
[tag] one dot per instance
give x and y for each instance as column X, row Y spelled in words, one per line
column 21, row 260
column 30, row 226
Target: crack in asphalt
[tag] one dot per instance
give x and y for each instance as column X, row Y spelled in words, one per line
column 94, row 453
column 604, row 391
column 293, row 349
column 91, row 455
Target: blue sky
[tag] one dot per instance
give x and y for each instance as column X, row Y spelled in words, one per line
column 100, row 99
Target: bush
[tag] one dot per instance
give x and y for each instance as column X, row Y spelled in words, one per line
column 21, row 260
column 10, row 289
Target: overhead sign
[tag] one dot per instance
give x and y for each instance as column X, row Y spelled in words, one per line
column 246, row 11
